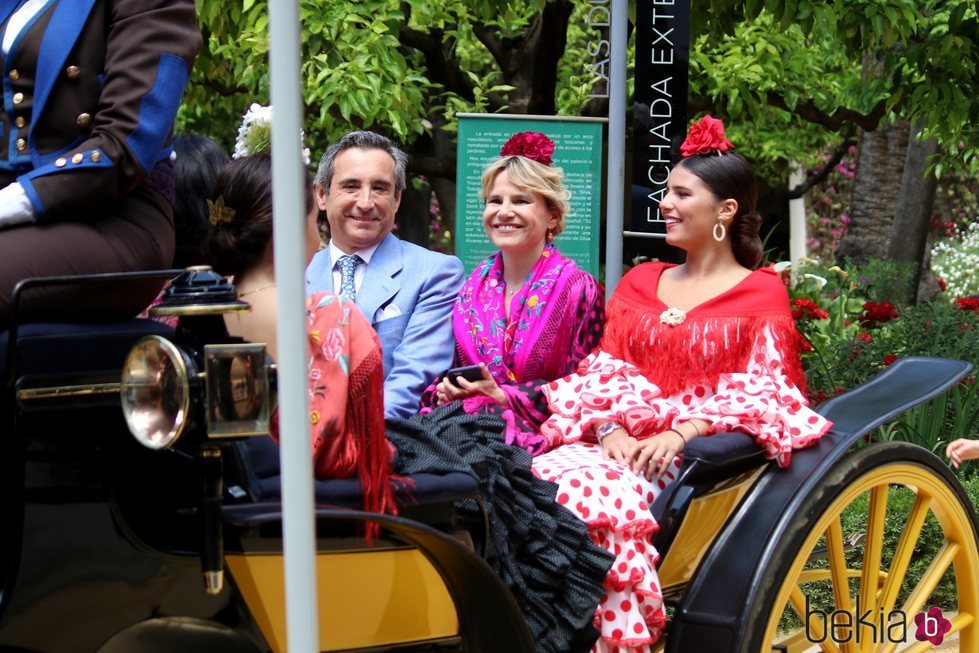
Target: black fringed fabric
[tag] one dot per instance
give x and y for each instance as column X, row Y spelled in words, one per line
column 540, row 550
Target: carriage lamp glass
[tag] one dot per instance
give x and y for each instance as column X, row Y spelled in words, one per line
column 239, row 398
column 155, row 392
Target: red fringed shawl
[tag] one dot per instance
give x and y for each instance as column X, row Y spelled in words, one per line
column 715, row 337
column 346, row 400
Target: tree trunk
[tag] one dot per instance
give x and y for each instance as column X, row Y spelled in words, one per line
column 880, row 165
column 914, row 208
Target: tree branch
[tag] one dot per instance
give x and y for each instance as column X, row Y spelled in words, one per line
column 435, row 48
column 836, row 121
column 819, row 175
column 224, row 90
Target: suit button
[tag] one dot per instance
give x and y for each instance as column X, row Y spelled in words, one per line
column 15, row 74
column 20, row 122
column 18, row 98
column 77, row 158
column 61, row 163
column 96, row 157
column 84, row 119
column 21, row 145
column 73, row 72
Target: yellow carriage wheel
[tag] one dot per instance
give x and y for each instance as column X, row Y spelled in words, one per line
column 864, row 564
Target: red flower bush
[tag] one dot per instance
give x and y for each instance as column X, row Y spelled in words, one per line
column 874, row 314
column 890, row 358
column 808, row 308
column 705, row 137
column 970, row 304
column 533, row 145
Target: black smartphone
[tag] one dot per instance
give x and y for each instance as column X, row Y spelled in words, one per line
column 470, row 373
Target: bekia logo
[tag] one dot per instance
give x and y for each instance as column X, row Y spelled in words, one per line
column 932, row 626
column 843, row 626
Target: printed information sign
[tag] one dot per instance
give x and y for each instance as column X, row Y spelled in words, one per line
column 577, row 150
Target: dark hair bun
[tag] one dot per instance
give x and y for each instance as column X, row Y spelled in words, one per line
column 745, row 240
column 240, row 239
column 224, row 250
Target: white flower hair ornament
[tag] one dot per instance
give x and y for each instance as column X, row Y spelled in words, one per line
column 255, row 133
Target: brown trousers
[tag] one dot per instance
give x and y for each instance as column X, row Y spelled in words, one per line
column 135, row 233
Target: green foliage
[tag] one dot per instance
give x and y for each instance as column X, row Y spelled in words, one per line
column 837, row 64
column 354, row 70
column 359, row 72
column 852, row 332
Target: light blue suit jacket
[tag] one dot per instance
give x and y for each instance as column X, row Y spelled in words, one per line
column 407, row 295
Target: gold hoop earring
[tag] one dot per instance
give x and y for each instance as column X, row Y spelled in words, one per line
column 723, row 232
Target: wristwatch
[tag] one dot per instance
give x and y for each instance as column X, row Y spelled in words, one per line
column 605, row 429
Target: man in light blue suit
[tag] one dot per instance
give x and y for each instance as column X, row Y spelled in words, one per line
column 405, row 291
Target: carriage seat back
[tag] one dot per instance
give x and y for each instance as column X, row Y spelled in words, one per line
column 259, row 478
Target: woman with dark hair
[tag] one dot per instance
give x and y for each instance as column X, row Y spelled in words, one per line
column 197, row 164
column 689, row 350
column 240, row 245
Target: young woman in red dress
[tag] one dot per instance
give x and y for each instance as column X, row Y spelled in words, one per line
column 689, row 350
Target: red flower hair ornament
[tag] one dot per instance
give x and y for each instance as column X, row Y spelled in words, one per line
column 533, row 145
column 705, row 137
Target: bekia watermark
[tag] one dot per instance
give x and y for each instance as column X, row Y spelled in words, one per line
column 932, row 626
column 844, row 626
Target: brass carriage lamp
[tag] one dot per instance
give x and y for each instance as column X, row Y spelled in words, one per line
column 202, row 377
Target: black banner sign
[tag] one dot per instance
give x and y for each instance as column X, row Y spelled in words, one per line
column 660, row 110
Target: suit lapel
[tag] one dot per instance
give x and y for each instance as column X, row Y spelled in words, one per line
column 66, row 24
column 379, row 284
column 320, row 269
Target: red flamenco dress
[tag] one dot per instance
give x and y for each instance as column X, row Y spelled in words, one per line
column 732, row 360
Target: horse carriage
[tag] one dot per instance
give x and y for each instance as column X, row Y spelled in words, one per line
column 172, row 540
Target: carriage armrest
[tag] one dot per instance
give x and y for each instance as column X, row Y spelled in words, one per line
column 905, row 384
column 719, row 455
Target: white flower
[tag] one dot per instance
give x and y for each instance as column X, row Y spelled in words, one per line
column 255, row 133
column 956, row 260
column 816, row 279
column 672, row 316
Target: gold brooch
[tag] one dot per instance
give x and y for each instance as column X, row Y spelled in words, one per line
column 217, row 212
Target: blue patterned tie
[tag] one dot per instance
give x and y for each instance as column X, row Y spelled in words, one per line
column 348, row 263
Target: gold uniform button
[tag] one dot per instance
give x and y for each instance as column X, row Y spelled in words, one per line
column 61, row 163
column 21, row 145
column 15, row 74
column 96, row 157
column 18, row 98
column 20, row 122
column 78, row 158
column 73, row 72
column 84, row 119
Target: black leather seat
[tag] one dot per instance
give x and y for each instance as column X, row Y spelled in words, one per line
column 260, row 466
